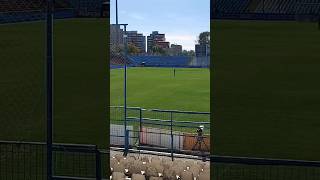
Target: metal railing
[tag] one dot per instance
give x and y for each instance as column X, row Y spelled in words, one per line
column 172, row 142
column 27, row 160
column 183, row 121
column 160, row 130
column 229, row 168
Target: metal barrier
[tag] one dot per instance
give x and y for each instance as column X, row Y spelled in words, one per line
column 183, row 121
column 229, row 168
column 162, row 130
column 27, row 160
column 172, row 142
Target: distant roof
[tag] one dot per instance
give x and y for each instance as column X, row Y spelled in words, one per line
column 106, row 2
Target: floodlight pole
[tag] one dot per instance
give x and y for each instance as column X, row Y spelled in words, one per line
column 125, row 74
column 117, row 12
column 49, row 89
column 125, row 77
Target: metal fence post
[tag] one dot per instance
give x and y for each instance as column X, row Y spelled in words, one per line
column 98, row 164
column 171, row 135
column 125, row 77
column 140, row 124
column 140, row 119
column 49, row 91
column 126, row 143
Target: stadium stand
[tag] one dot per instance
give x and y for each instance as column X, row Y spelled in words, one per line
column 87, row 8
column 232, row 6
column 117, row 61
column 161, row 61
column 142, row 167
column 266, row 9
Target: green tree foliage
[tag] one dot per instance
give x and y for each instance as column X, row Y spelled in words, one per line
column 188, row 53
column 133, row 49
column 204, row 38
column 158, row 50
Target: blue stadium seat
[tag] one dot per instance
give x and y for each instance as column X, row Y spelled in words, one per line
column 161, row 61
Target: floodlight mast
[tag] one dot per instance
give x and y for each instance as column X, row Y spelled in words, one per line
column 125, row 78
column 117, row 12
column 125, row 66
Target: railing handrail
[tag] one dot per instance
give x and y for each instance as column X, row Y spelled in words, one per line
column 178, row 111
column 167, row 121
column 161, row 110
column 263, row 161
column 57, row 145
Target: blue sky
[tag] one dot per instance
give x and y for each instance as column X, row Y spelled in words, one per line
column 181, row 20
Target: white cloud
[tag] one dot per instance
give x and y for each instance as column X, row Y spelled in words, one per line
column 187, row 41
column 136, row 16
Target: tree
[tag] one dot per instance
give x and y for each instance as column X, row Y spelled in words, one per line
column 188, row 53
column 158, row 50
column 204, row 38
column 133, row 49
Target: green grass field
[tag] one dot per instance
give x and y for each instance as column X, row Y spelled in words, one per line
column 266, row 92
column 157, row 88
column 80, row 81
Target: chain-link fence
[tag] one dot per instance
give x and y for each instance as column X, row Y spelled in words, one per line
column 229, row 168
column 27, row 160
column 22, row 62
column 118, row 46
column 266, row 9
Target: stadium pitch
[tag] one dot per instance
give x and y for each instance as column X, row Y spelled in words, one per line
column 159, row 88
column 266, row 92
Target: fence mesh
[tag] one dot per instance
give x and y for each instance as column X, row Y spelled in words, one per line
column 264, row 9
column 117, row 46
column 27, row 160
column 22, row 161
column 22, row 62
column 263, row 169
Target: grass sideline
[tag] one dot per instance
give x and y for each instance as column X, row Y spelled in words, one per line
column 266, row 95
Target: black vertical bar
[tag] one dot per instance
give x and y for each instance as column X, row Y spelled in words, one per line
column 12, row 162
column 117, row 12
column 36, row 162
column 0, row 161
column 125, row 79
column 140, row 118
column 140, row 130
column 24, row 161
column 98, row 164
column 49, row 86
column 73, row 164
column 126, row 143
column 171, row 136
column 79, row 164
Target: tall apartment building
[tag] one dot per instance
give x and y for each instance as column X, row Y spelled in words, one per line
column 202, row 50
column 116, row 35
column 156, row 39
column 175, row 49
column 138, row 40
